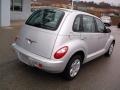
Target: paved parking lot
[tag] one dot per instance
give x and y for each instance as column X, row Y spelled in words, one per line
column 100, row 74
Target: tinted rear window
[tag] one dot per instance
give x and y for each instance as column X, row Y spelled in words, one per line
column 46, row 19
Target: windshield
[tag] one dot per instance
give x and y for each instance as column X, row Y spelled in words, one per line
column 46, row 18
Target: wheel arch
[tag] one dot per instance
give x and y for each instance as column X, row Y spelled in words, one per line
column 113, row 42
column 80, row 52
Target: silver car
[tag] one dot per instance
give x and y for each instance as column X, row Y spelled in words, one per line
column 61, row 40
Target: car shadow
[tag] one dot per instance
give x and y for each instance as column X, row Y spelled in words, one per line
column 43, row 75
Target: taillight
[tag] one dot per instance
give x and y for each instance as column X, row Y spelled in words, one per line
column 61, row 52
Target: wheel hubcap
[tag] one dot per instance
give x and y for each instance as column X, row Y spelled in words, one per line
column 75, row 68
column 111, row 49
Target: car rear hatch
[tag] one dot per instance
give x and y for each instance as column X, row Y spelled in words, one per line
column 39, row 33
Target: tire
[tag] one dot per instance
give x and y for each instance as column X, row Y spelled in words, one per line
column 73, row 67
column 110, row 50
column 118, row 25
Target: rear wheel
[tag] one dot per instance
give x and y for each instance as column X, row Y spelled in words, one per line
column 110, row 50
column 73, row 67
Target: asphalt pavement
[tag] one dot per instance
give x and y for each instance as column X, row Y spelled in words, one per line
column 100, row 74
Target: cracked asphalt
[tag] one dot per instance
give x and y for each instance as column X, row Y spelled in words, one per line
column 100, row 74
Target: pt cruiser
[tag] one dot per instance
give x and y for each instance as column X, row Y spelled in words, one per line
column 61, row 40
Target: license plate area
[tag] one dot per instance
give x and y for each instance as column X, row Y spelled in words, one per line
column 27, row 60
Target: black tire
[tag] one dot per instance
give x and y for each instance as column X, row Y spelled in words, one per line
column 109, row 52
column 68, row 69
column 118, row 25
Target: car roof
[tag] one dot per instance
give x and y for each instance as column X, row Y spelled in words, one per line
column 78, row 12
column 70, row 11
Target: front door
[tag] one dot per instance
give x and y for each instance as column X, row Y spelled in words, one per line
column 103, row 37
column 89, row 35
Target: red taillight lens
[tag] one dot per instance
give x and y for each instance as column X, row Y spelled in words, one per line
column 61, row 52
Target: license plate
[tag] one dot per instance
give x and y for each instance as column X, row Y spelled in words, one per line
column 27, row 60
column 32, row 61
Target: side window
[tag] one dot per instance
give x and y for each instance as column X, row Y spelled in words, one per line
column 100, row 25
column 76, row 25
column 88, row 24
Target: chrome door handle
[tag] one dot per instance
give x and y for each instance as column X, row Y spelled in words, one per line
column 83, row 38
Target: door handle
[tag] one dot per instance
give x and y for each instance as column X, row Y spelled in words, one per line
column 83, row 38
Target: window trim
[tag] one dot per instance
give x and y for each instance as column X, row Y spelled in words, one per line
column 80, row 26
column 96, row 28
column 93, row 22
column 54, row 29
column 97, row 25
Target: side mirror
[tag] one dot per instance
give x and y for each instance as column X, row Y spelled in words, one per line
column 107, row 30
column 107, row 25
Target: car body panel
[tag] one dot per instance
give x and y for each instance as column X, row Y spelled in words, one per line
column 42, row 42
column 34, row 60
column 37, row 40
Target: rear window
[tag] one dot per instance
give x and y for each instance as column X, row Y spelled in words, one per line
column 46, row 19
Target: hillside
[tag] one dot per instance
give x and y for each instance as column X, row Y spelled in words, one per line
column 52, row 1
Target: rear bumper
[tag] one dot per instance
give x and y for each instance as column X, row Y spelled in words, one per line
column 40, row 62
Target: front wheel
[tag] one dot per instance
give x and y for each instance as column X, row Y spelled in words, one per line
column 72, row 68
column 110, row 50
